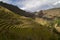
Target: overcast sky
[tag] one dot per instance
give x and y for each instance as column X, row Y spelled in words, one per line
column 34, row 5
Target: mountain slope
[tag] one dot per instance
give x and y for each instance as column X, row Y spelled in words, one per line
column 55, row 12
column 50, row 14
column 15, row 9
column 14, row 19
column 16, row 27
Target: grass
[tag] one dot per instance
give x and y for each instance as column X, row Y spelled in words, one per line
column 27, row 34
column 16, row 27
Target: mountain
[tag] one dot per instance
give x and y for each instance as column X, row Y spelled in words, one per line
column 15, row 24
column 17, row 27
column 15, row 9
column 55, row 12
column 49, row 14
column 9, row 18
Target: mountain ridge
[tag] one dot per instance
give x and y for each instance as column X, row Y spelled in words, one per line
column 15, row 9
column 49, row 14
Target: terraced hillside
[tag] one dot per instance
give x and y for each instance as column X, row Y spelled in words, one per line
column 14, row 19
column 16, row 27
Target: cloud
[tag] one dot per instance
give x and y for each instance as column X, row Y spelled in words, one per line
column 56, row 3
column 0, row 0
column 33, row 5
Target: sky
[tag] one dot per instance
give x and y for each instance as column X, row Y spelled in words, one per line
column 34, row 5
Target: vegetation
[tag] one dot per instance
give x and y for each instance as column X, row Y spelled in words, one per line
column 16, row 27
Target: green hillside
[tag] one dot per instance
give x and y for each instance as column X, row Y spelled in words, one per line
column 13, row 19
column 16, row 27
